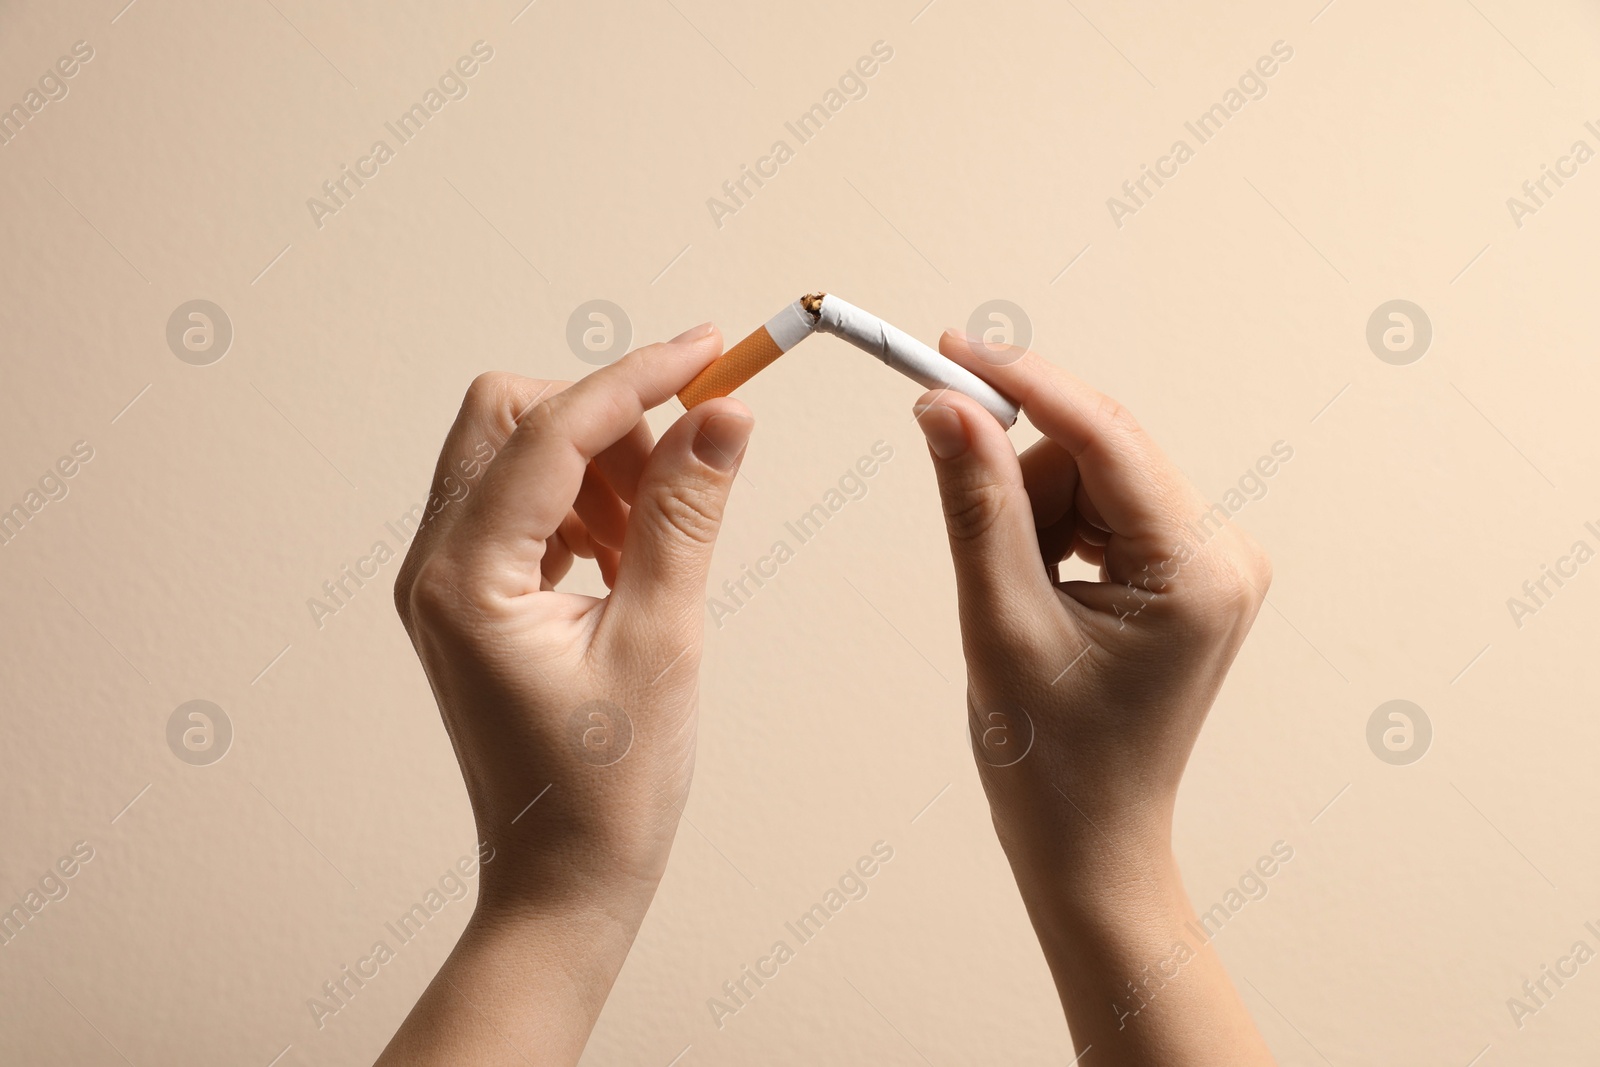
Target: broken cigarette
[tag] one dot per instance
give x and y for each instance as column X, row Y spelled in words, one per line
column 825, row 313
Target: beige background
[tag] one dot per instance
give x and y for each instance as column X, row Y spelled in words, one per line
column 1229, row 313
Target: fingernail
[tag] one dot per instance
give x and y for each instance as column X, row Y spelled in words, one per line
column 694, row 333
column 722, row 439
column 942, row 426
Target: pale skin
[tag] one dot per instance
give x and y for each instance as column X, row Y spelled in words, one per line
column 1110, row 679
column 585, row 708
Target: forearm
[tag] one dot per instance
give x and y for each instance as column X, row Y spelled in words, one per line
column 1136, row 980
column 518, row 989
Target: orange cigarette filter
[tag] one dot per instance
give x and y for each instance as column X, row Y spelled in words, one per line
column 735, row 367
column 755, row 353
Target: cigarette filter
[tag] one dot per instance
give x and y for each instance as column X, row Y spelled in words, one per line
column 744, row 360
column 828, row 314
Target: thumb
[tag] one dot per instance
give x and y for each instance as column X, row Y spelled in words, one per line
column 676, row 516
column 999, row 572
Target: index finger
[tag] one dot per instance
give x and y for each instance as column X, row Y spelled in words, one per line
column 532, row 483
column 1131, row 482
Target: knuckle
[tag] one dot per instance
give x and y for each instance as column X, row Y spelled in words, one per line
column 425, row 595
column 1249, row 568
column 564, row 413
column 402, row 597
column 488, row 391
column 1112, row 414
column 553, row 418
column 434, row 592
column 1014, row 636
column 642, row 355
column 972, row 510
column 1233, row 588
column 693, row 514
column 503, row 400
column 548, row 413
column 404, row 581
column 1261, row 569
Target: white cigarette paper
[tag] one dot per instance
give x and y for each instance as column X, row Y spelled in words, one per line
column 906, row 354
column 790, row 326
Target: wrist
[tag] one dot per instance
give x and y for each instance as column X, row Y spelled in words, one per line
column 577, row 946
column 564, row 864
column 551, row 889
column 1110, row 885
column 1067, row 858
